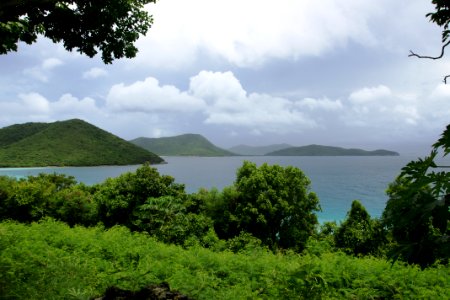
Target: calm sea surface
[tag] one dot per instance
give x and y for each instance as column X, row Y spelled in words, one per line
column 336, row 180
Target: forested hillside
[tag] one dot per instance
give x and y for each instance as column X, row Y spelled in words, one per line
column 181, row 145
column 67, row 143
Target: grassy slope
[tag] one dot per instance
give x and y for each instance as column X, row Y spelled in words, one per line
column 318, row 150
column 50, row 260
column 68, row 143
column 186, row 144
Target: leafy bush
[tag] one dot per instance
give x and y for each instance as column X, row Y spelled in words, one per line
column 167, row 219
column 33, row 198
column 119, row 198
column 271, row 203
column 359, row 234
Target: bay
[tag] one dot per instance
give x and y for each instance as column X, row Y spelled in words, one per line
column 336, row 180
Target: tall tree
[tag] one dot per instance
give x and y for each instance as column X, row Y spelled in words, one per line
column 359, row 233
column 89, row 26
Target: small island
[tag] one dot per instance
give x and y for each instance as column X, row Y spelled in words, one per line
column 67, row 143
column 320, row 150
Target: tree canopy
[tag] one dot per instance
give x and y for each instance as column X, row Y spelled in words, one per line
column 272, row 203
column 107, row 26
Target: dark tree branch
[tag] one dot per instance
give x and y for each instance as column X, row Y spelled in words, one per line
column 430, row 57
column 411, row 53
column 445, row 79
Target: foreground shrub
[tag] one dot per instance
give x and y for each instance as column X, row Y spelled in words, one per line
column 50, row 260
column 272, row 203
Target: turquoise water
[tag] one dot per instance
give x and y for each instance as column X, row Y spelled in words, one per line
column 336, row 180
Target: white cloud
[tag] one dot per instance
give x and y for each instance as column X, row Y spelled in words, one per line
column 70, row 105
column 94, row 73
column 248, row 33
column 34, row 107
column 381, row 108
column 51, row 63
column 229, row 104
column 366, row 95
column 149, row 96
column 324, row 104
column 36, row 73
column 35, row 103
column 42, row 71
column 437, row 106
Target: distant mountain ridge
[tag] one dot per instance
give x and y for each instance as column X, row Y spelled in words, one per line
column 320, row 150
column 67, row 143
column 257, row 150
column 182, row 145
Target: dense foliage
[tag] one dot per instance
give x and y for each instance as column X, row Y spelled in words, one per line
column 441, row 16
column 417, row 212
column 271, row 203
column 49, row 260
column 67, row 143
column 181, row 145
column 359, row 233
column 110, row 27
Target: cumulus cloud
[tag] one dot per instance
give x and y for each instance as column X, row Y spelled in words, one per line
column 380, row 107
column 150, row 97
column 70, row 105
column 229, row 104
column 35, row 103
column 37, row 108
column 43, row 70
column 51, row 63
column 94, row 73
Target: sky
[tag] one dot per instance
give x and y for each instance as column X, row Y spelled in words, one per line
column 254, row 72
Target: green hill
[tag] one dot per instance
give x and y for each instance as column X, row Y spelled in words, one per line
column 67, row 143
column 181, row 145
column 319, row 150
column 257, row 150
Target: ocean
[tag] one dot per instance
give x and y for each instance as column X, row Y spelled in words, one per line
column 336, row 180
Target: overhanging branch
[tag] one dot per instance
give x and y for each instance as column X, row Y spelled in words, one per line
column 411, row 53
column 430, row 57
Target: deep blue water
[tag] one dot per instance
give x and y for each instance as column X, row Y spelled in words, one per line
column 336, row 180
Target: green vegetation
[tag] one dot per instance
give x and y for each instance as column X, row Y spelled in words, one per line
column 271, row 203
column 359, row 233
column 418, row 210
column 182, row 145
column 50, row 260
column 319, row 150
column 67, row 143
column 258, row 238
column 110, row 27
